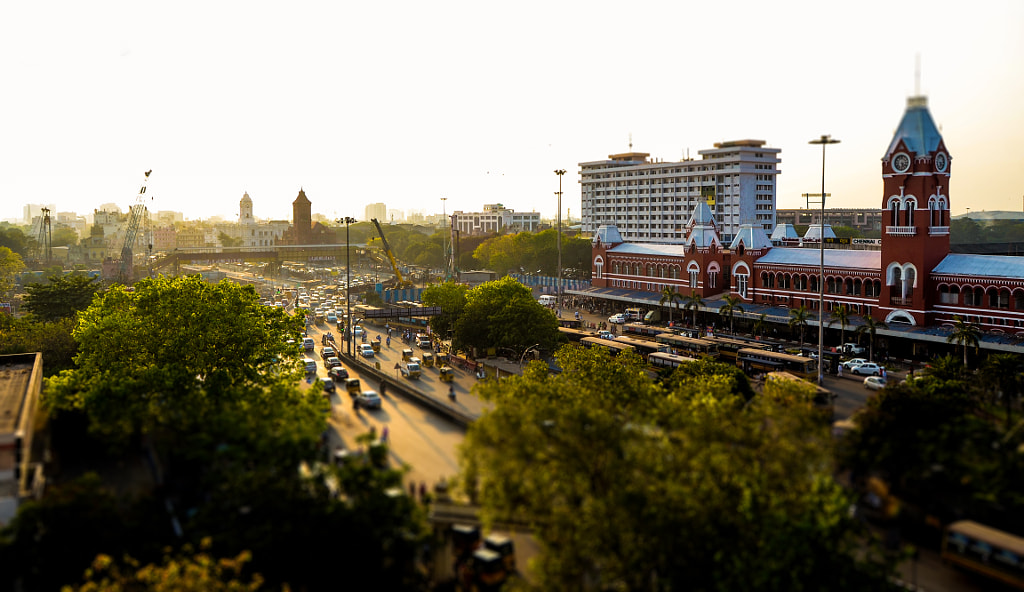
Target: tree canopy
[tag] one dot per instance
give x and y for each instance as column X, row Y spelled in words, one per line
column 451, row 297
column 634, row 485
column 503, row 313
column 10, row 265
column 62, row 296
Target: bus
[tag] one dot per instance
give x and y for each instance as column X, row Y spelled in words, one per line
column 824, row 399
column 641, row 330
column 612, row 346
column 644, row 347
column 728, row 348
column 757, row 361
column 689, row 346
column 985, row 550
column 574, row 335
column 663, row 360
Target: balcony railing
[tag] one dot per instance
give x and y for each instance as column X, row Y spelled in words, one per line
column 898, row 301
column 901, row 230
column 938, row 230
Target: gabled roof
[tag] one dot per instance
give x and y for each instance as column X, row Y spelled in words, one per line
column 703, row 237
column 871, row 260
column 649, row 249
column 784, row 231
column 814, row 232
column 752, row 236
column 999, row 266
column 916, row 129
column 702, row 215
column 608, row 234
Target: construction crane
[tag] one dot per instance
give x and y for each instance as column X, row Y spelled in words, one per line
column 124, row 273
column 43, row 250
column 402, row 283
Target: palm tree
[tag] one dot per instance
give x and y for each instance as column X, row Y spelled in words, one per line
column 760, row 325
column 840, row 315
column 730, row 308
column 870, row 326
column 669, row 295
column 1005, row 371
column 798, row 317
column 964, row 334
column 693, row 301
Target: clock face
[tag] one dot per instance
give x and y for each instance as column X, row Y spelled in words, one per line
column 901, row 163
column 940, row 162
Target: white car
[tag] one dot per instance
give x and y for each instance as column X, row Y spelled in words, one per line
column 850, row 364
column 874, row 383
column 867, row 369
column 617, row 319
column 368, row 400
column 366, row 350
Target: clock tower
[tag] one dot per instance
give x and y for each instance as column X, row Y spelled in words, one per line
column 915, row 216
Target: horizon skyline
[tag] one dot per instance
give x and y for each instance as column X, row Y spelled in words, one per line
column 408, row 104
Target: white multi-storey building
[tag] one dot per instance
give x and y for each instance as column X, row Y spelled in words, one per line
column 650, row 201
column 378, row 211
column 495, row 218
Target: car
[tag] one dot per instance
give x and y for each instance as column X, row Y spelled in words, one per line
column 368, row 400
column 849, row 364
column 605, row 335
column 867, row 369
column 338, row 373
column 308, row 344
column 332, row 362
column 328, row 352
column 617, row 319
column 357, row 331
column 874, row 383
column 332, row 317
column 366, row 350
column 328, row 385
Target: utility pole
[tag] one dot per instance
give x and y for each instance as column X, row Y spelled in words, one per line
column 558, row 291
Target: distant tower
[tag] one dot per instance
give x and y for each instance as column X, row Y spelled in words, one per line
column 915, row 220
column 302, row 218
column 245, row 211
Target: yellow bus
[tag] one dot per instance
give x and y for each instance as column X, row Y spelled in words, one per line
column 641, row 330
column 574, row 335
column 663, row 360
column 729, row 348
column 644, row 347
column 689, row 346
column 612, row 346
column 760, row 361
column 985, row 550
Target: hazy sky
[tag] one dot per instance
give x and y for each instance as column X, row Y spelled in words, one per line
column 479, row 102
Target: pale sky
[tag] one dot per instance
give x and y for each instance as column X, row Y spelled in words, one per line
column 408, row 102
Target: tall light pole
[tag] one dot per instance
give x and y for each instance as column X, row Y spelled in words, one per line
column 824, row 140
column 444, row 246
column 558, row 218
column 348, row 285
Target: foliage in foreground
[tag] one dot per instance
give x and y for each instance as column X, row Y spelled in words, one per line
column 632, row 485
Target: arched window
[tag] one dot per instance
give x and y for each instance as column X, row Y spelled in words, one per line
column 1018, row 300
column 934, row 213
column 848, row 284
column 993, row 298
column 1004, row 299
column 909, row 282
column 765, row 279
column 830, row 285
column 598, row 268
column 909, row 210
column 857, row 287
column 617, row 268
column 897, row 276
column 894, row 213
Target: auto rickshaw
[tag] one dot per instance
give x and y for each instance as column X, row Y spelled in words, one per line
column 446, row 374
column 428, row 360
column 406, row 354
column 502, row 545
column 375, row 344
column 444, row 359
column 353, row 386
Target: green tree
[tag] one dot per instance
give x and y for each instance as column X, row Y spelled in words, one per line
column 798, row 317
column 733, row 305
column 964, row 335
column 671, row 297
column 638, row 487
column 64, row 237
column 760, row 325
column 14, row 239
column 162, row 354
column 840, row 315
column 870, row 327
column 1004, row 372
column 693, row 302
column 965, row 231
column 503, row 313
column 10, row 265
column 451, row 297
column 61, row 297
column 52, row 338
column 227, row 240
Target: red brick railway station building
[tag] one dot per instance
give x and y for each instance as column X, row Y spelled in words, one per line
column 913, row 283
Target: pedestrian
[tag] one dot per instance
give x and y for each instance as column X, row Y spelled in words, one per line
column 423, row 491
column 883, row 373
column 373, row 433
column 384, row 435
column 412, row 489
column 839, row 370
column 389, row 340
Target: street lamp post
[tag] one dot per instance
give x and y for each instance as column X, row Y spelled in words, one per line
column 824, row 140
column 348, row 285
column 558, row 218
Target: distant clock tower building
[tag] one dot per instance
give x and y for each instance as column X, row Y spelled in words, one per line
column 302, row 218
column 915, row 216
